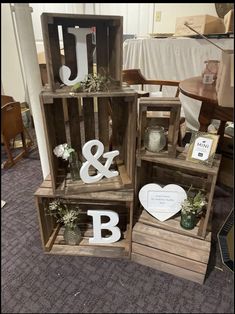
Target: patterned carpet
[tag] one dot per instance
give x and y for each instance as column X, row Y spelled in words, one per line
column 33, row 282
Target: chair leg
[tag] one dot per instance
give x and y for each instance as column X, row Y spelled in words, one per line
column 24, row 143
column 10, row 160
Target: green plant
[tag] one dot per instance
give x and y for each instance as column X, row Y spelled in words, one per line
column 194, row 203
column 95, row 83
column 67, row 214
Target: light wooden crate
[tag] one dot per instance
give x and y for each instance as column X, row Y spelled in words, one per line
column 165, row 112
column 163, row 171
column 167, row 247
column 52, row 233
column 107, row 47
column 114, row 125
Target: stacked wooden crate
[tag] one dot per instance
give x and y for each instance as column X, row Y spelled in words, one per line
column 166, row 246
column 112, row 121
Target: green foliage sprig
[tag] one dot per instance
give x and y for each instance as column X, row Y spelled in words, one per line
column 67, row 214
column 193, row 204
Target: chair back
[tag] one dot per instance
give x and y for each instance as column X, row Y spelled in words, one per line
column 11, row 120
column 6, row 99
column 135, row 77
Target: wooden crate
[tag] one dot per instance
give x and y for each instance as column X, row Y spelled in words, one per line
column 114, row 125
column 204, row 24
column 167, row 247
column 164, row 112
column 163, row 171
column 52, row 233
column 106, row 51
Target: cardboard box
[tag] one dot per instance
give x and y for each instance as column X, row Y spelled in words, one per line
column 204, row 24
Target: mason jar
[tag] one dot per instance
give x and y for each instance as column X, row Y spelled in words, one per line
column 154, row 138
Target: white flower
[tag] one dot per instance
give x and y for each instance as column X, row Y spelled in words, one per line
column 63, row 150
column 65, row 155
column 59, row 150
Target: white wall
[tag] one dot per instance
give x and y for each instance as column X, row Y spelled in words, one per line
column 11, row 75
column 170, row 11
column 138, row 18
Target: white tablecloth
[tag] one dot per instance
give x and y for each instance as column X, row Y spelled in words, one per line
column 173, row 59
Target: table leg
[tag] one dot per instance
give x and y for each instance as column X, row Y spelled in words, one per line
column 205, row 116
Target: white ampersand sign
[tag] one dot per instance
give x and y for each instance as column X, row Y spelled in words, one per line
column 93, row 160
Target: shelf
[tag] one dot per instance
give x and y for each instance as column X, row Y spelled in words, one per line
column 173, row 224
column 56, row 245
column 66, row 92
column 122, row 195
column 179, row 161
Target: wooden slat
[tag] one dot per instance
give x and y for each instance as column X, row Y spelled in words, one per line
column 41, row 219
column 48, row 120
column 172, row 236
column 53, row 64
column 59, row 124
column 103, row 122
column 173, row 130
column 172, row 224
column 65, row 92
column 212, row 179
column 115, row 51
column 102, row 48
column 131, row 134
column 180, row 162
column 52, row 238
column 171, row 247
column 89, row 120
column 89, row 251
column 169, row 258
column 105, row 184
column 171, row 269
column 74, row 125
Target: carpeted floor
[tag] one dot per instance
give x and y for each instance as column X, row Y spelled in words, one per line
column 33, row 282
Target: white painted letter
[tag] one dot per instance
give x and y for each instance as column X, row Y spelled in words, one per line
column 81, row 55
column 110, row 225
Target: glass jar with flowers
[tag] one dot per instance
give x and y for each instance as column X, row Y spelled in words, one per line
column 68, row 215
column 190, row 208
column 66, row 152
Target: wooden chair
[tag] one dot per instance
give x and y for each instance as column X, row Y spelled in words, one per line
column 12, row 126
column 6, row 99
column 135, row 77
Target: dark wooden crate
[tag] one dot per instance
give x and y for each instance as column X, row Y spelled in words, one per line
column 164, row 170
column 108, row 44
column 164, row 111
column 165, row 246
column 115, row 123
column 52, row 233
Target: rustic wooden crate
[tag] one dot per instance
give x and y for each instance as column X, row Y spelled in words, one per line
column 108, row 45
column 52, row 233
column 164, row 111
column 165, row 246
column 163, row 171
column 114, row 125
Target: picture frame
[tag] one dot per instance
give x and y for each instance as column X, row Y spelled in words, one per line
column 202, row 148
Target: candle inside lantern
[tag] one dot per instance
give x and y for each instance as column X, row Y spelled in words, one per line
column 154, row 139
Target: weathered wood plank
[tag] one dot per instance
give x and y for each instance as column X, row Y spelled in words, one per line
column 171, row 269
column 169, row 258
column 172, row 236
column 171, row 247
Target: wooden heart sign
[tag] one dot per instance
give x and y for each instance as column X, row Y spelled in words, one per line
column 162, row 203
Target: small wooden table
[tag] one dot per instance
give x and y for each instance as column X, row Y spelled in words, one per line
column 194, row 88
